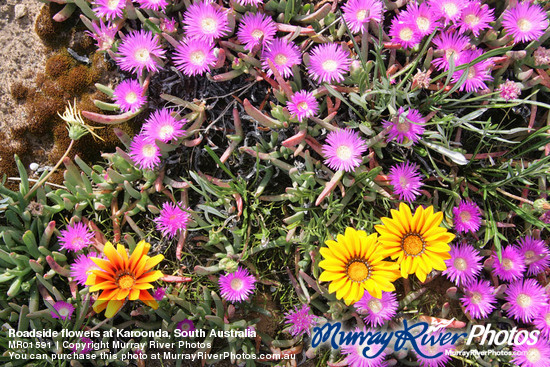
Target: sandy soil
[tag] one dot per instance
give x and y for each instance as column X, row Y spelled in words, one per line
column 21, row 53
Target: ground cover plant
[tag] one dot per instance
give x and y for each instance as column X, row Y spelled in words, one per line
column 367, row 162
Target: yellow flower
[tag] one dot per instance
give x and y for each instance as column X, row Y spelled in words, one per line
column 353, row 264
column 417, row 242
column 121, row 277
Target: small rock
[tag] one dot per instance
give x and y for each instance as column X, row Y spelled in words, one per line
column 34, row 166
column 20, row 11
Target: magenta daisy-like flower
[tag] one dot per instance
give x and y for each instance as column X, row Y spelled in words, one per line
column 404, row 33
column 84, row 346
column 527, row 300
column 449, row 10
column 237, row 286
column 377, row 311
column 405, row 126
column 104, row 34
column 153, row 4
column 75, row 237
column 479, row 299
column 129, row 95
column 300, row 320
column 172, row 218
column 256, row 30
column 328, row 63
column 467, row 216
column 355, row 356
column 476, row 17
column 159, row 294
column 138, row 51
column 186, row 325
column 477, row 74
column 536, row 355
column 82, row 267
column 525, row 22
column 421, row 16
column 249, row 2
column 343, row 150
column 303, row 105
column 536, row 254
column 451, row 44
column 205, row 21
column 109, row 9
column 358, row 14
column 63, row 310
column 161, row 125
column 427, row 359
column 284, row 55
column 406, row 181
column 512, row 265
column 168, row 25
column 542, row 322
column 464, row 265
column 194, row 56
column 509, row 90
column 144, row 152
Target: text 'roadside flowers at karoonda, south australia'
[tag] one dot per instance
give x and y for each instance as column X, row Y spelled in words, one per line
column 120, row 277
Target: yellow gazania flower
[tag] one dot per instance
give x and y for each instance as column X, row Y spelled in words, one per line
column 353, row 264
column 121, row 277
column 417, row 242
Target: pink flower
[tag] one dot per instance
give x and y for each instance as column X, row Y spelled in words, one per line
column 406, row 181
column 163, row 126
column 404, row 33
column 541, row 56
column 186, row 326
column 527, row 300
column 168, row 25
column 328, row 63
column 138, row 51
column 249, row 2
column 377, row 311
column 256, row 30
column 525, row 22
column 476, row 17
column 450, row 10
column 512, row 265
column 159, row 294
column 153, row 4
column 103, row 34
column 343, row 150
column 284, row 55
column 542, row 322
column 467, row 216
column 205, row 21
column 237, row 286
column 194, row 56
column 82, row 267
column 358, row 14
column 464, row 265
column 85, row 346
column 536, row 355
column 144, row 152
column 357, row 354
column 303, row 105
column 405, row 126
column 421, row 16
column 536, row 253
column 172, row 219
column 452, row 44
column 477, row 74
column 129, row 95
column 479, row 299
column 509, row 90
column 75, row 237
column 300, row 320
column 109, row 9
column 63, row 310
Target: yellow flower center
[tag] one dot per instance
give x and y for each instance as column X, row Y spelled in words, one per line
column 166, row 131
column 64, row 312
column 523, row 300
column 423, row 23
column 126, row 281
column 131, row 97
column 148, row 150
column 358, row 270
column 209, row 25
column 197, row 57
column 343, row 152
column 281, row 59
column 524, row 25
column 302, row 106
column 547, row 318
column 112, row 4
column 257, row 34
column 533, row 355
column 361, row 15
column 406, row 34
column 329, row 65
column 413, row 244
column 465, row 216
column 142, row 55
column 236, row 284
column 507, row 264
column 471, row 72
column 476, row 298
column 375, row 305
column 529, row 254
column 460, row 264
column 471, row 19
column 450, row 9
